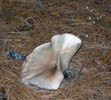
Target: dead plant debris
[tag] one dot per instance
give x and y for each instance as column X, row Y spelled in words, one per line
column 23, row 27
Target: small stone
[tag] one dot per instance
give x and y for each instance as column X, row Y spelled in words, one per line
column 89, row 18
column 91, row 11
column 93, row 22
column 87, row 7
column 86, row 34
column 16, row 55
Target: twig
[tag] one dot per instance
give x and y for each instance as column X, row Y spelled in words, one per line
column 23, row 20
column 100, row 65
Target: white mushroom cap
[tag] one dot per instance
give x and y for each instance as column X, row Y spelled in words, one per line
column 45, row 65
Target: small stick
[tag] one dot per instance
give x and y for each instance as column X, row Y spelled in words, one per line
column 23, row 20
column 79, row 73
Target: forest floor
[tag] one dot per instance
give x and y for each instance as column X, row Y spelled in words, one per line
column 23, row 27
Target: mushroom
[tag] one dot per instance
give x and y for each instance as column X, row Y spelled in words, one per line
column 44, row 67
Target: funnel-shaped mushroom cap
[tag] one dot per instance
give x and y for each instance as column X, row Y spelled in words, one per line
column 45, row 65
